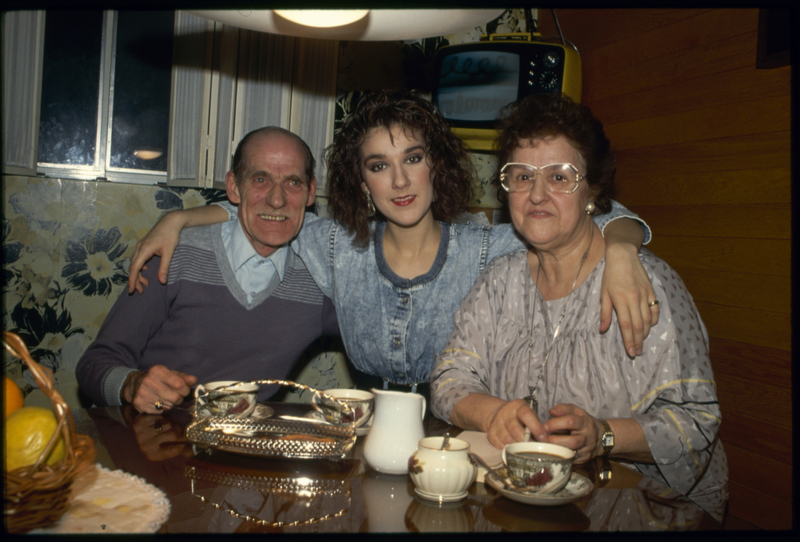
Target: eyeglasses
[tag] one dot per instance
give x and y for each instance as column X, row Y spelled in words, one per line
column 561, row 178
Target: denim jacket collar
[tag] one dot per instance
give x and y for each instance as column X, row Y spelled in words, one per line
column 400, row 282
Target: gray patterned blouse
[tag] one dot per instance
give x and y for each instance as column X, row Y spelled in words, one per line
column 669, row 389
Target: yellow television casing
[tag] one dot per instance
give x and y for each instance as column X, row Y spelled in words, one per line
column 528, row 48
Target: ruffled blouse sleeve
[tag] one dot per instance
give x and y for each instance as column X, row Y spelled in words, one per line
column 671, row 386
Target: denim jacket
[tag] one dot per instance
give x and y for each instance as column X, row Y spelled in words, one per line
column 393, row 327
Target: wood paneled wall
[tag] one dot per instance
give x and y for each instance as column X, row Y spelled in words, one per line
column 703, row 141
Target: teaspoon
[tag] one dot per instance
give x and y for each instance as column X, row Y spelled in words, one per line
column 446, row 439
column 478, row 459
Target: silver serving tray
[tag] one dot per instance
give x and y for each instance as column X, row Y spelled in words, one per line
column 287, row 437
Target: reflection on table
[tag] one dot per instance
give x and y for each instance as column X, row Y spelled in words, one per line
column 214, row 491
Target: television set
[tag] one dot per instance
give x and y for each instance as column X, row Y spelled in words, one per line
column 473, row 81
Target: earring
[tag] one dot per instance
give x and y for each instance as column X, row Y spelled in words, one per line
column 370, row 206
column 590, row 208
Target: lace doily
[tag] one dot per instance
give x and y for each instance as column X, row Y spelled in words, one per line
column 114, row 502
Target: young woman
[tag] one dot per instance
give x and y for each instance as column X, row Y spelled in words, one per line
column 393, row 259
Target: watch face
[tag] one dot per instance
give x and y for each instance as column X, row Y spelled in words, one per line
column 608, row 439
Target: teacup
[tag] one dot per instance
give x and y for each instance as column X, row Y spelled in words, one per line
column 442, row 475
column 361, row 402
column 226, row 398
column 538, row 467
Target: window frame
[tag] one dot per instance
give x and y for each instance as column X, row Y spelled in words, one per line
column 101, row 170
column 214, row 100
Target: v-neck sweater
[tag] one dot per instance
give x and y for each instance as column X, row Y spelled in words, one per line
column 201, row 323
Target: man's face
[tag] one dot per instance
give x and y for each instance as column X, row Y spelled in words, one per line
column 272, row 194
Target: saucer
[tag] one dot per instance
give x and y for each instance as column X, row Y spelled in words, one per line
column 578, row 486
column 360, row 431
column 440, row 498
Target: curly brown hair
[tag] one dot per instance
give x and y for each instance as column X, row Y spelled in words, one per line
column 452, row 172
column 538, row 116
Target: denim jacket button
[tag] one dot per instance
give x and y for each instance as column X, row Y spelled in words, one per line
column 405, row 300
column 397, row 341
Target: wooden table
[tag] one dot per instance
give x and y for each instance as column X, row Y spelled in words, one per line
column 213, row 491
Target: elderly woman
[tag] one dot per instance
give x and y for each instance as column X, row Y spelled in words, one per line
column 528, row 328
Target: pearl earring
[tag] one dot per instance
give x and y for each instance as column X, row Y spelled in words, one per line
column 590, row 208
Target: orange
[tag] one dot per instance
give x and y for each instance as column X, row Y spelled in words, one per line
column 28, row 430
column 14, row 399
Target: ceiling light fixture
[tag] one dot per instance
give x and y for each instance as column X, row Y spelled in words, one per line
column 375, row 25
column 322, row 18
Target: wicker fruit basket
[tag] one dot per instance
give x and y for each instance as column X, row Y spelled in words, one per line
column 39, row 494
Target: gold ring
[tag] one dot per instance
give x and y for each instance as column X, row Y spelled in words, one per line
column 159, row 405
column 653, row 303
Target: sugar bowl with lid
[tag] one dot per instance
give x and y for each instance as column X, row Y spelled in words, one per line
column 442, row 474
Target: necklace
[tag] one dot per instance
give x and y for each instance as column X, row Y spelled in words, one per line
column 531, row 399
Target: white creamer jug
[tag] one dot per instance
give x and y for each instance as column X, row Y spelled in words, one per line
column 396, row 431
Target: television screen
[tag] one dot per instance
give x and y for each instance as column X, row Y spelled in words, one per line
column 476, row 85
column 473, row 82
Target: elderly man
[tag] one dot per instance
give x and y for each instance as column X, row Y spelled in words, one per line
column 239, row 304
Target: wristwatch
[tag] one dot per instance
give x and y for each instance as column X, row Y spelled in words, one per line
column 607, row 438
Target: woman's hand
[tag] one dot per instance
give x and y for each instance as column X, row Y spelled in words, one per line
column 164, row 237
column 504, row 422
column 627, row 287
column 583, row 431
column 508, row 424
column 159, row 241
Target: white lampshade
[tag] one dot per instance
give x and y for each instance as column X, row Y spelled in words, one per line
column 376, row 25
column 322, row 18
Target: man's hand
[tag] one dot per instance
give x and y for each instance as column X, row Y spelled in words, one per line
column 160, row 438
column 627, row 287
column 144, row 389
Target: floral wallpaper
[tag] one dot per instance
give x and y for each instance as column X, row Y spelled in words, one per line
column 66, row 246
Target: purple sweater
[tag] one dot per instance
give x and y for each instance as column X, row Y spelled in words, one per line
column 200, row 323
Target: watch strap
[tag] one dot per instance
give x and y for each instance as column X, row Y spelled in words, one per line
column 607, row 438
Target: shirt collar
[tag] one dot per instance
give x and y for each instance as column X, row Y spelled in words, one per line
column 240, row 250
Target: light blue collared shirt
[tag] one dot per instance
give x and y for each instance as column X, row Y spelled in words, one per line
column 253, row 272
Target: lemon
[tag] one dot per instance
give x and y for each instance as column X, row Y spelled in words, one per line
column 27, row 432
column 14, row 399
